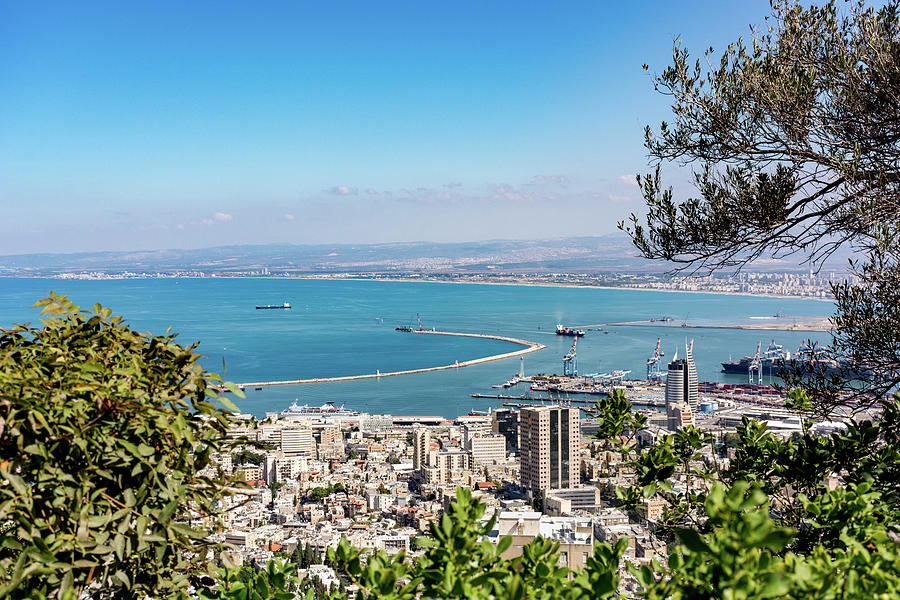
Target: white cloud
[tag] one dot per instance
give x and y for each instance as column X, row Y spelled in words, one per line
column 343, row 190
column 222, row 217
column 372, row 191
column 555, row 179
column 179, row 226
column 504, row 191
column 628, row 179
column 288, row 217
column 207, row 221
column 424, row 195
column 615, row 198
column 529, row 192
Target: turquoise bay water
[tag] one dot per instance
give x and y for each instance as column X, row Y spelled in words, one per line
column 340, row 328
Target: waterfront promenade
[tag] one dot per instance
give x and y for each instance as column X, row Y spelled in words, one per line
column 528, row 347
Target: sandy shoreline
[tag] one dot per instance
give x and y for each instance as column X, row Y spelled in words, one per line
column 811, row 325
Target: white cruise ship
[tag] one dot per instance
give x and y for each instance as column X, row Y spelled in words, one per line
column 327, row 410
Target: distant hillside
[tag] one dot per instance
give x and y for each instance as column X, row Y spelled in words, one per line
column 612, row 252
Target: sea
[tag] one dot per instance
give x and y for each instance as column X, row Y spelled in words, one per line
column 348, row 327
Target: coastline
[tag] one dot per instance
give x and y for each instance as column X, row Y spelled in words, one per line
column 527, row 283
column 429, row 279
column 816, row 325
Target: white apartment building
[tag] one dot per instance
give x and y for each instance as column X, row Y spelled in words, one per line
column 488, row 449
column 421, row 446
column 297, row 440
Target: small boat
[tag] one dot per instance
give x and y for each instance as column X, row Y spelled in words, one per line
column 270, row 306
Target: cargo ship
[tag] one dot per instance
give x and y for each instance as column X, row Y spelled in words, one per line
column 269, row 306
column 770, row 361
column 775, row 358
column 569, row 331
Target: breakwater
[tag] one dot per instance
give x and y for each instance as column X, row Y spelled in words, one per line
column 528, row 347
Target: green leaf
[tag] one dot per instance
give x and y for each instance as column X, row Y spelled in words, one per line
column 234, row 389
column 228, row 404
column 692, row 540
column 776, row 539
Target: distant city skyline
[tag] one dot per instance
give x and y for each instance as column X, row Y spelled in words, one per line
column 170, row 125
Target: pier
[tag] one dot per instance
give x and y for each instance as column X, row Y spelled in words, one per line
column 528, row 348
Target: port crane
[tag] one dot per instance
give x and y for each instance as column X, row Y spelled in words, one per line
column 653, row 372
column 570, row 361
column 755, row 366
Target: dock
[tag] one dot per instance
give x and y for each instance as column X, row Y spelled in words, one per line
column 533, row 399
column 528, row 347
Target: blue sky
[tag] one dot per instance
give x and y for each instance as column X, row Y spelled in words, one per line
column 188, row 124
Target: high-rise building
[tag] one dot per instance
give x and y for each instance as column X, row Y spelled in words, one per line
column 681, row 386
column 549, row 441
column 506, row 423
column 421, row 445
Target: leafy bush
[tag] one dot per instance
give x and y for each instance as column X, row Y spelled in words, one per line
column 460, row 562
column 103, row 431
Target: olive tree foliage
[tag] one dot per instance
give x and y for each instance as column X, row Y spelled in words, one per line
column 103, row 431
column 793, row 138
column 768, row 525
column 461, row 563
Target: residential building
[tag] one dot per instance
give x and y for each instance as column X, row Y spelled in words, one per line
column 330, row 434
column 488, row 449
column 441, row 465
column 574, row 534
column 564, row 501
column 421, row 444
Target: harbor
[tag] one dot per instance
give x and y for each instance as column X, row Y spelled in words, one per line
column 530, row 400
column 644, row 393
